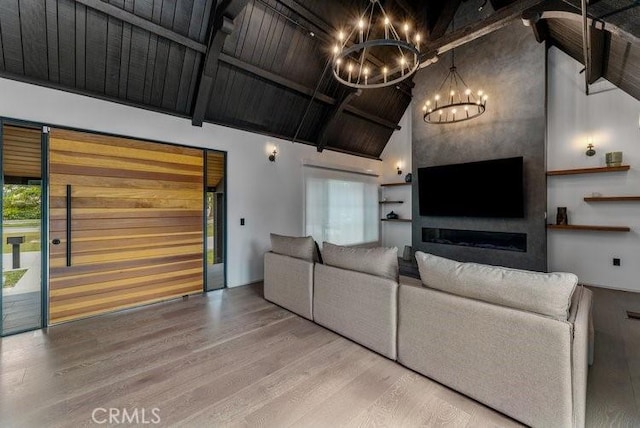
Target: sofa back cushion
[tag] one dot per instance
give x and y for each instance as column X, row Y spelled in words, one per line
column 300, row 248
column 547, row 294
column 378, row 261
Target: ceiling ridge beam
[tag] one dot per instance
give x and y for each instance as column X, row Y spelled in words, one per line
column 302, row 89
column 471, row 32
column 222, row 25
column 137, row 21
column 346, row 98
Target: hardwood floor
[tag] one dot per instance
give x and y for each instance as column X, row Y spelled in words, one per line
column 231, row 358
column 613, row 392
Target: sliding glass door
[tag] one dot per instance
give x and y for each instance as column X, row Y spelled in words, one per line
column 215, row 220
column 22, row 231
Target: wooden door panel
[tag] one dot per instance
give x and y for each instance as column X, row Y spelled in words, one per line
column 136, row 223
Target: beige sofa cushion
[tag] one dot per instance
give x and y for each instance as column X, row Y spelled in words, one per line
column 378, row 261
column 300, row 248
column 547, row 294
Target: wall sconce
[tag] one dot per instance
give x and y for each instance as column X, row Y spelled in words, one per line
column 398, row 169
column 590, row 151
column 272, row 156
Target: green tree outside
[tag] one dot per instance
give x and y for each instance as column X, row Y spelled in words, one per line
column 21, row 202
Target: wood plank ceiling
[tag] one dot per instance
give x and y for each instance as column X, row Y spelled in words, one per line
column 257, row 65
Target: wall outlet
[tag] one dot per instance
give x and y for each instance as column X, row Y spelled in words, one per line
column 242, row 222
column 616, row 262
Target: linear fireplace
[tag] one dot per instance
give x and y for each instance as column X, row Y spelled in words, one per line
column 475, row 238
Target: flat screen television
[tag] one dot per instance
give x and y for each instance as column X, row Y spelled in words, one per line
column 492, row 188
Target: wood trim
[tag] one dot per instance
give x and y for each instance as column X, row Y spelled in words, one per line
column 612, row 199
column 584, row 227
column 597, row 170
column 21, row 152
column 395, row 184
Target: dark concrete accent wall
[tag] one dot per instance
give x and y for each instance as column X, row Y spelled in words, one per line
column 509, row 65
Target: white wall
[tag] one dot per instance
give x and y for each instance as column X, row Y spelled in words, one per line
column 268, row 195
column 610, row 117
column 397, row 152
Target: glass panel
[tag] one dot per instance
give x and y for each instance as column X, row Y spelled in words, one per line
column 21, row 230
column 215, row 220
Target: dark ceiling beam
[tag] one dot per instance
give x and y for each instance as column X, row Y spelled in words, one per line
column 302, row 89
column 323, row 135
column 406, row 8
column 310, row 17
column 137, row 21
column 538, row 26
column 469, row 33
column 598, row 52
column 274, row 78
column 558, row 9
column 593, row 46
column 444, row 19
column 331, row 34
column 222, row 26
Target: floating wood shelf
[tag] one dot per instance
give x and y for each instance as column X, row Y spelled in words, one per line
column 612, row 199
column 391, row 202
column 589, row 170
column 395, row 184
column 401, row 220
column 589, row 228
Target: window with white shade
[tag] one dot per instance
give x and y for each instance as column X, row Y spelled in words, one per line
column 340, row 207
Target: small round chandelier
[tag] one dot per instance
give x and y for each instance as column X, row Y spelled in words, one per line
column 372, row 54
column 460, row 103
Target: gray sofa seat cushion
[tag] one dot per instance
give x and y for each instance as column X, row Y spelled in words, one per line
column 547, row 294
column 378, row 261
column 298, row 247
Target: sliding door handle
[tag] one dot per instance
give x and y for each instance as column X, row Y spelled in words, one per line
column 68, row 225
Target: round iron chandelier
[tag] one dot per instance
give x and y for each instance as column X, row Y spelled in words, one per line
column 372, row 54
column 460, row 103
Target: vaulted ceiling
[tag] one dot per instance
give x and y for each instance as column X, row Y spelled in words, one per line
column 261, row 65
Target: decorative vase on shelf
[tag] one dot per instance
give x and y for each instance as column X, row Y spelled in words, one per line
column 562, row 217
column 407, row 254
column 613, row 159
column 392, row 216
column 408, row 178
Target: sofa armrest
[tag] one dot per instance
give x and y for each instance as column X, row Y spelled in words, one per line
column 288, row 282
column 581, row 353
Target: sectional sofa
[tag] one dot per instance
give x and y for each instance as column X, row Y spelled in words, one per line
column 518, row 341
